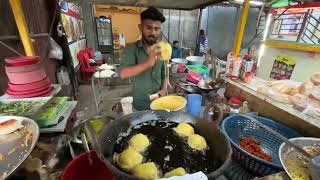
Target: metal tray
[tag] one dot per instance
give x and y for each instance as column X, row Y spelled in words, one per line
column 16, row 147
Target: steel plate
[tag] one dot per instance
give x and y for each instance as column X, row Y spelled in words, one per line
column 16, row 147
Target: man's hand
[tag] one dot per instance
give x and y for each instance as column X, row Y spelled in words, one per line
column 162, row 93
column 153, row 51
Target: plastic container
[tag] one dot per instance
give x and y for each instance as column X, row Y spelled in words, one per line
column 126, row 104
column 248, row 65
column 175, row 68
column 80, row 169
column 230, row 59
column 181, row 68
column 236, row 66
column 22, row 61
column 43, row 93
column 26, row 77
column 194, row 104
column 25, row 68
column 26, row 87
column 63, row 76
column 193, row 77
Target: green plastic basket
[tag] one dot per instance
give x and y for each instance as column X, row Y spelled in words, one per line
column 198, row 68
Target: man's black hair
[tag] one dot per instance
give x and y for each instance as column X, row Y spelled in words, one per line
column 175, row 42
column 153, row 14
column 201, row 32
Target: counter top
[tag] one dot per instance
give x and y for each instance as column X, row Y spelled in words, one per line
column 285, row 107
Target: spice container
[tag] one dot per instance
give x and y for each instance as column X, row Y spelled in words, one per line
column 235, row 104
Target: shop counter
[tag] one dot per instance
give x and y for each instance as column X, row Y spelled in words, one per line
column 270, row 108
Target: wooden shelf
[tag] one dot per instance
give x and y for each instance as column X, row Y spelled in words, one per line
column 292, row 45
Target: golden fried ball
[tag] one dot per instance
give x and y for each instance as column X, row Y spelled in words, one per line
column 184, row 129
column 176, row 172
column 146, row 171
column 129, row 158
column 197, row 142
column 139, row 142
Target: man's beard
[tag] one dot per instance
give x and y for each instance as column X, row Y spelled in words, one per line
column 150, row 40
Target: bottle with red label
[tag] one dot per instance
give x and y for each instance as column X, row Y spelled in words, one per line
column 230, row 59
column 236, row 67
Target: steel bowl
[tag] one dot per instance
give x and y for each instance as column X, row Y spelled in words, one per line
column 301, row 142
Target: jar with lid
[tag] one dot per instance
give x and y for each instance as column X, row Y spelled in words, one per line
column 235, row 104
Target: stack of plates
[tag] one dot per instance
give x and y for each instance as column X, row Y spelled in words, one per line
column 27, row 77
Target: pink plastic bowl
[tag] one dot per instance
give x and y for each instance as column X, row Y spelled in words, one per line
column 22, row 61
column 32, row 91
column 25, row 87
column 26, row 77
column 25, row 68
column 193, row 77
column 43, row 93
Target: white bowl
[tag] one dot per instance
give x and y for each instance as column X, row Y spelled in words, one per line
column 195, row 59
column 179, row 61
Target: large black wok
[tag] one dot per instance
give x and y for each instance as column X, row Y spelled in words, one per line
column 214, row 137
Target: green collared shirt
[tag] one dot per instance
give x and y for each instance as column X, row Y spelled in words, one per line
column 149, row 81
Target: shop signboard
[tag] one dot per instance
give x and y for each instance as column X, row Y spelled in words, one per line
column 283, row 67
column 73, row 25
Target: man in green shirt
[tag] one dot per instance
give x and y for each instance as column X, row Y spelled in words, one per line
column 141, row 61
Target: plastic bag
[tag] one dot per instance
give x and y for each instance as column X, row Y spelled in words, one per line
column 312, row 111
column 275, row 95
column 56, row 50
column 306, row 105
column 285, row 86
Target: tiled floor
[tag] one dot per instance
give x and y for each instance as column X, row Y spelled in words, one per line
column 111, row 95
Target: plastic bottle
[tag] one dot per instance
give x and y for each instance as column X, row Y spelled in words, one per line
column 230, row 59
column 63, row 76
column 236, row 66
column 205, row 76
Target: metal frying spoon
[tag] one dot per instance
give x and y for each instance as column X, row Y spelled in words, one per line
column 86, row 147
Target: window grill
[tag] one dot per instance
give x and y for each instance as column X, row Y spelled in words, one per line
column 297, row 26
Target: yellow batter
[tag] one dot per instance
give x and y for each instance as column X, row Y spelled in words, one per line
column 176, row 172
column 166, row 50
column 139, row 142
column 128, row 159
column 197, row 142
column 146, row 171
column 169, row 103
column 184, row 129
